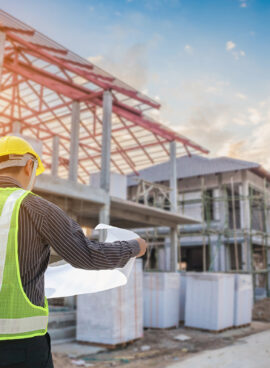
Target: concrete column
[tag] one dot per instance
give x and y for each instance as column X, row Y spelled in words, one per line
column 268, row 267
column 16, row 127
column 214, row 254
column 245, row 224
column 104, row 214
column 74, row 142
column 222, row 258
column 55, row 156
column 2, row 50
column 222, row 208
column 106, row 141
column 173, row 200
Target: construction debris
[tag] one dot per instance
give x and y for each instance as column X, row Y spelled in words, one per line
column 182, row 337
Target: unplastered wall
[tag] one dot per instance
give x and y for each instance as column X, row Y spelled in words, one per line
column 194, row 184
column 190, row 204
column 256, row 181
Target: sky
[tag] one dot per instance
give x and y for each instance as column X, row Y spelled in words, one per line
column 205, row 61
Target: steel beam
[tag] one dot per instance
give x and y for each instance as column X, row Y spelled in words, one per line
column 74, row 142
column 173, row 200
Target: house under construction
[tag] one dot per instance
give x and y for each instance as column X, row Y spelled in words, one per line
column 231, row 200
column 85, row 123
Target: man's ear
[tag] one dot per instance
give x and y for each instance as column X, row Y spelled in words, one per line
column 28, row 167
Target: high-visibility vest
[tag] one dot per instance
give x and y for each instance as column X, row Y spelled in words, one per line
column 19, row 318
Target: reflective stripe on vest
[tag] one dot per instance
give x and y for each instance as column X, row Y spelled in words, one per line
column 5, row 221
column 19, row 318
column 21, row 325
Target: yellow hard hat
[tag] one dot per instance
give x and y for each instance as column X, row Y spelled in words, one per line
column 13, row 145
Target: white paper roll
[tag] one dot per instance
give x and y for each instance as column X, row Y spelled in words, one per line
column 65, row 280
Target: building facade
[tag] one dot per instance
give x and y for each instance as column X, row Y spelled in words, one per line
column 230, row 199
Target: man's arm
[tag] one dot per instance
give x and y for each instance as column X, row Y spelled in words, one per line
column 66, row 237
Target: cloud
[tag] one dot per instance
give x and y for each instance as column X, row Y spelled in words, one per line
column 188, row 49
column 243, row 3
column 129, row 65
column 96, row 59
column 230, row 45
column 241, row 96
column 207, row 126
column 254, row 115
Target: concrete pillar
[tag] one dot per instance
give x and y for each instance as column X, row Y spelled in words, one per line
column 222, row 257
column 2, row 51
column 104, row 214
column 268, row 267
column 55, row 156
column 74, row 142
column 173, row 200
column 245, row 224
column 106, row 141
column 16, row 127
column 222, row 216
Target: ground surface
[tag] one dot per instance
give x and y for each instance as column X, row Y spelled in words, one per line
column 160, row 349
column 250, row 352
column 261, row 310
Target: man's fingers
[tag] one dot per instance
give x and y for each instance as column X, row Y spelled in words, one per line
column 143, row 247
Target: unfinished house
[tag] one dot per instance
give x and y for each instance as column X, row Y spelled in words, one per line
column 91, row 129
column 230, row 199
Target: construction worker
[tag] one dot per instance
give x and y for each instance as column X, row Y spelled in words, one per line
column 29, row 226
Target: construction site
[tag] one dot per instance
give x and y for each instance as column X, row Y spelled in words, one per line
column 203, row 286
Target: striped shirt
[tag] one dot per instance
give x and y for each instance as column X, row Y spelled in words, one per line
column 42, row 225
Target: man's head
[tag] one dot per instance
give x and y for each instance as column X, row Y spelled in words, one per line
column 19, row 160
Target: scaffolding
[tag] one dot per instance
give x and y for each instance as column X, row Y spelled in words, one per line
column 233, row 232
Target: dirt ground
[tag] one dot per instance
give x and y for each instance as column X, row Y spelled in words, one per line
column 159, row 348
column 261, row 311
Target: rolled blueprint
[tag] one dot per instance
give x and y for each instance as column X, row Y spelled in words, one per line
column 64, row 280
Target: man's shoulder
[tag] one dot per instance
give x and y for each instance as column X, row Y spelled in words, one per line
column 38, row 204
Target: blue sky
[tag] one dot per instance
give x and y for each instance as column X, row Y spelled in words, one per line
column 207, row 62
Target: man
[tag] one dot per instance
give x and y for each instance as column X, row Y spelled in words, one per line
column 29, row 226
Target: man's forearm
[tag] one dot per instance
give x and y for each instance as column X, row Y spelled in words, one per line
column 66, row 237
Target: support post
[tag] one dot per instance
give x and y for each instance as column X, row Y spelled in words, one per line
column 245, row 224
column 74, row 142
column 2, row 51
column 104, row 214
column 16, row 127
column 223, row 203
column 55, row 156
column 173, row 200
column 106, row 141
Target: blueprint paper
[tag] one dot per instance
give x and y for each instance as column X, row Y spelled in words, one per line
column 65, row 280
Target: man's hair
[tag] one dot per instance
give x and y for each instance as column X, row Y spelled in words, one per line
column 15, row 170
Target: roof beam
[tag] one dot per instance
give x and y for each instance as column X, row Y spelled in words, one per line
column 56, row 61
column 29, row 32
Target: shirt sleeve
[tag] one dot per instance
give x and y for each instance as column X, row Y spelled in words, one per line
column 66, row 237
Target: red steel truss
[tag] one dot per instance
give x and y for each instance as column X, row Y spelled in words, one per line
column 40, row 80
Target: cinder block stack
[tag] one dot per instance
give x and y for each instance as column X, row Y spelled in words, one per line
column 115, row 316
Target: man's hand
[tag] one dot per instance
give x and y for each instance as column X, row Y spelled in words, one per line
column 143, row 247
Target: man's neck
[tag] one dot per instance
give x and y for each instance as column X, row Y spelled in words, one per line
column 12, row 178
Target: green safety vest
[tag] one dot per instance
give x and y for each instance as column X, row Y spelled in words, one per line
column 19, row 318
